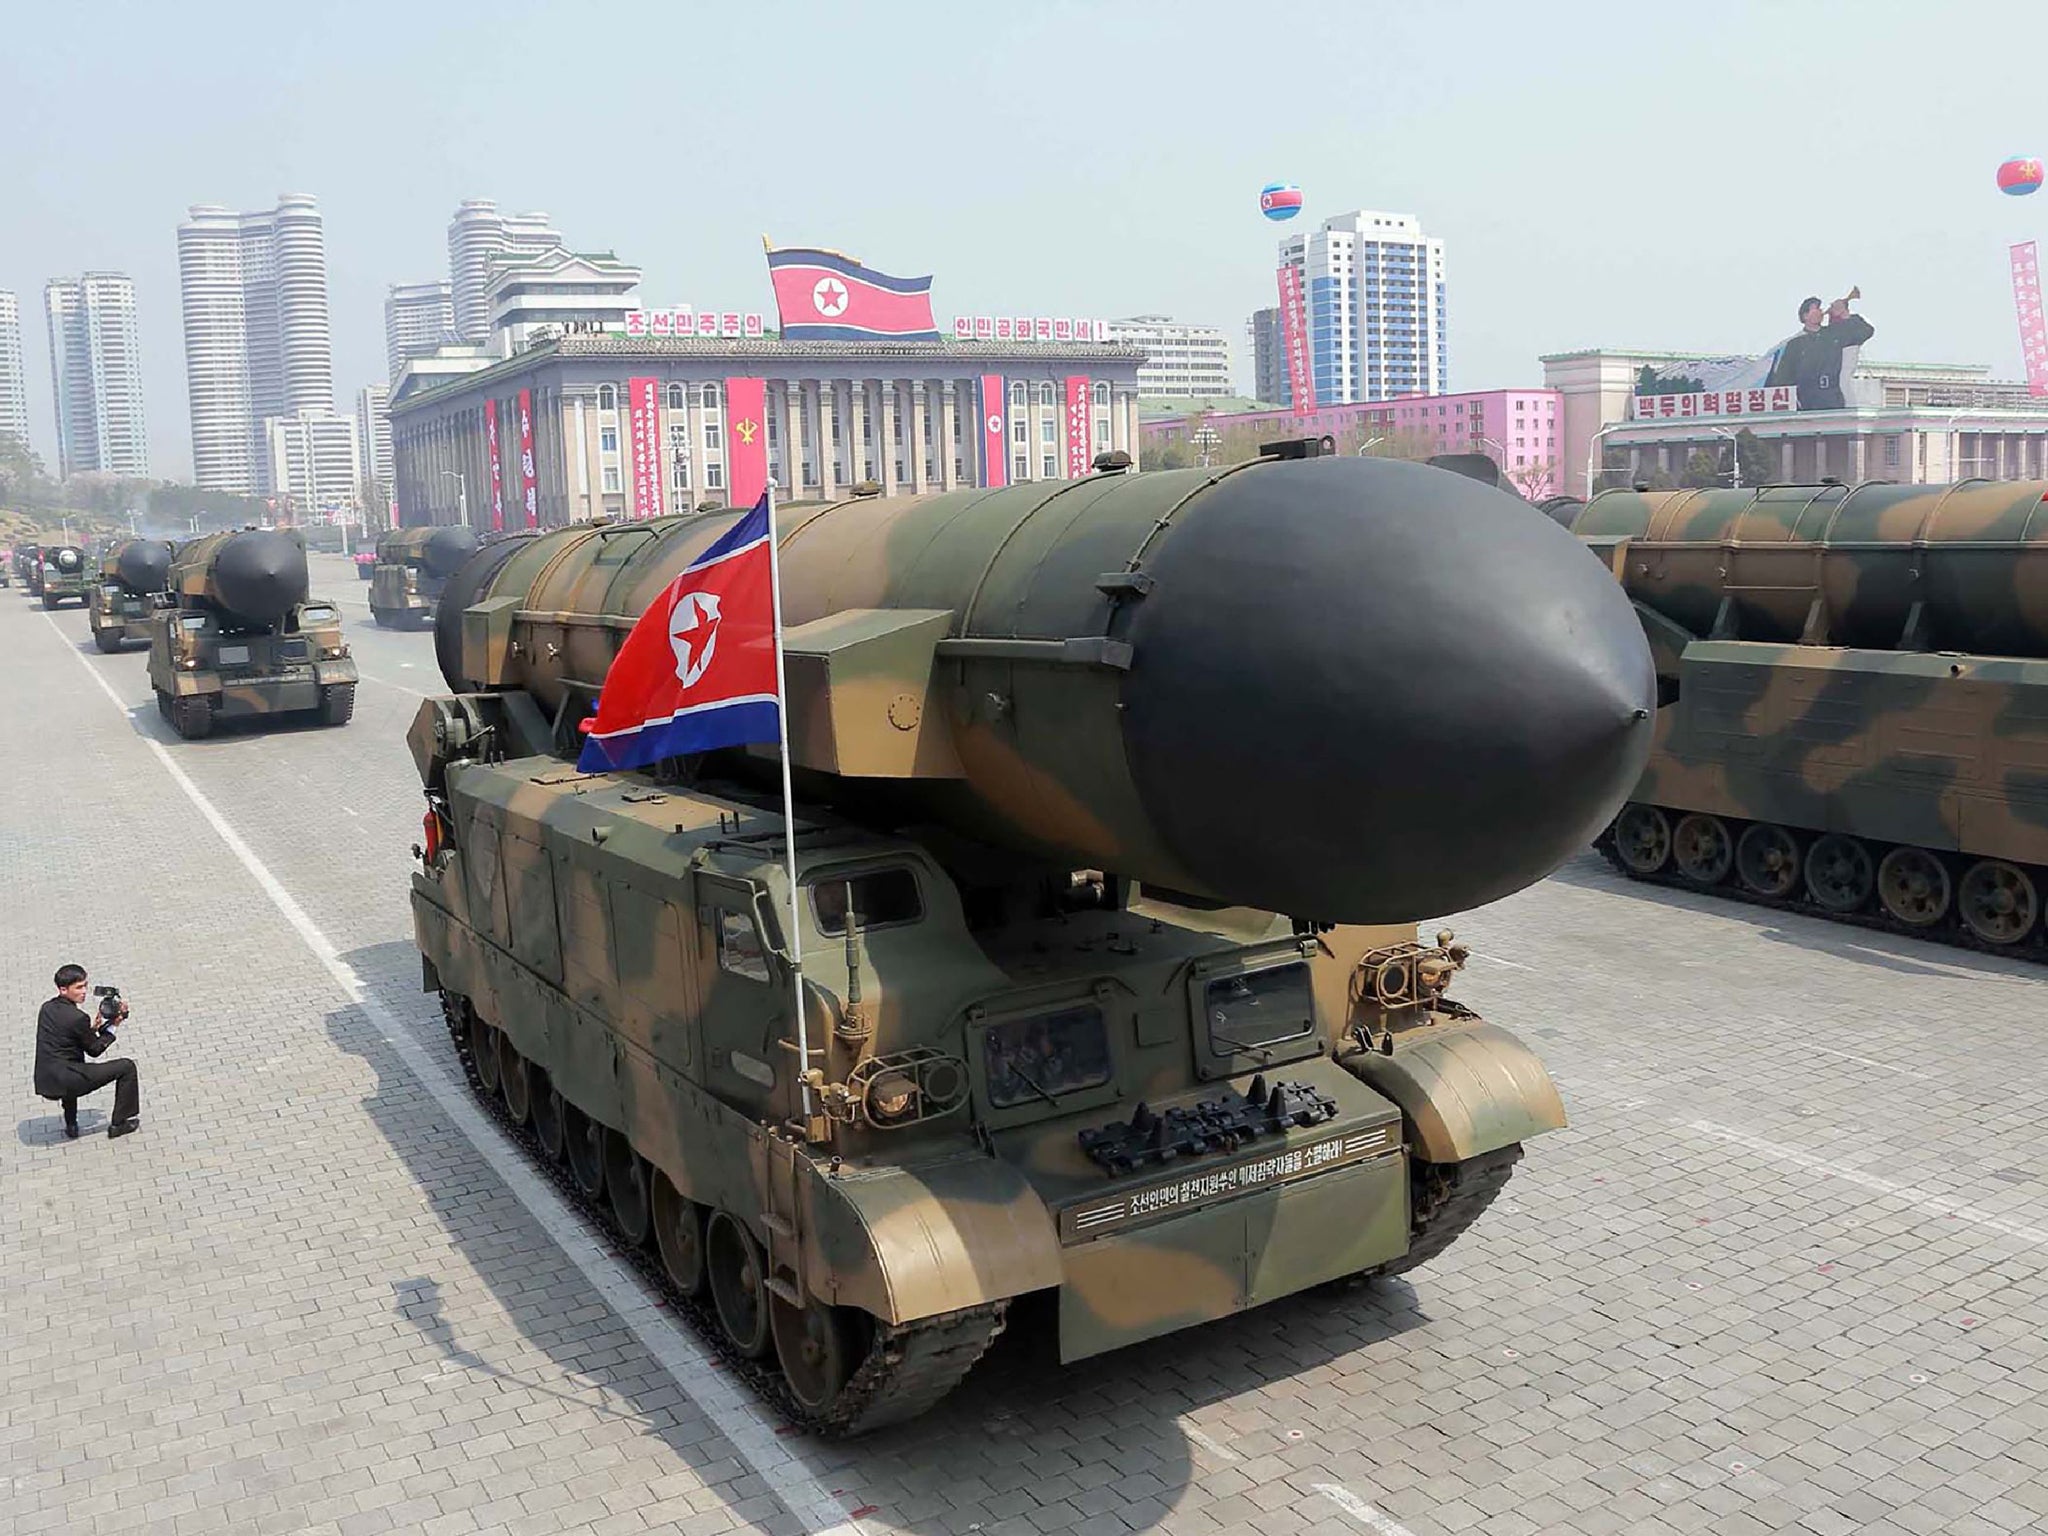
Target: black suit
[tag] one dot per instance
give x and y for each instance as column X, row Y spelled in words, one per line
column 65, row 1037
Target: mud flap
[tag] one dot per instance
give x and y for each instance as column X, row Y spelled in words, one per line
column 1465, row 1087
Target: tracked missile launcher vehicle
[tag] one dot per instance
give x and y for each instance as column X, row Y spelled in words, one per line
column 1854, row 700
column 1118, row 801
column 413, row 565
column 62, row 576
column 134, row 579
column 28, row 569
column 240, row 639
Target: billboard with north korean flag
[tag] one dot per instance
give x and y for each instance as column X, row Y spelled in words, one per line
column 823, row 296
column 995, row 461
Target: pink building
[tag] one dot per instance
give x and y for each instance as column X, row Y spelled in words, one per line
column 1519, row 429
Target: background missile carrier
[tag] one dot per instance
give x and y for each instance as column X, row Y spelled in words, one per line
column 239, row 638
column 61, row 575
column 28, row 567
column 1854, row 700
column 1119, row 800
column 413, row 565
column 134, row 577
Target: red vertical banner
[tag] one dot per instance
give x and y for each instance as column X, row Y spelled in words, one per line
column 643, row 415
column 1301, row 376
column 2026, row 300
column 529, row 492
column 995, row 439
column 495, row 455
column 746, row 441
column 1078, row 455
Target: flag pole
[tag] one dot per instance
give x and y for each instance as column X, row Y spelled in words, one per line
column 796, row 941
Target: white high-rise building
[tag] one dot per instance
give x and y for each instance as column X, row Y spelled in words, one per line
column 257, row 337
column 312, row 460
column 478, row 236
column 13, row 380
column 1373, row 287
column 373, row 442
column 418, row 317
column 1182, row 362
column 96, row 374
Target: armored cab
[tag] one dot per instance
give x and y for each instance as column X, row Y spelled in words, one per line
column 412, row 567
column 1118, row 801
column 1853, row 690
column 134, row 580
column 239, row 638
column 63, row 575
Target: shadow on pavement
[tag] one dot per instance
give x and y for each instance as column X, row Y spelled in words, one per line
column 1005, row 1441
column 48, row 1130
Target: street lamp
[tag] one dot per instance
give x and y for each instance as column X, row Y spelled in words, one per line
column 1593, row 447
column 1734, row 455
column 461, row 493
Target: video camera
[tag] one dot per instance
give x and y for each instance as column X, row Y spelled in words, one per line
column 110, row 1005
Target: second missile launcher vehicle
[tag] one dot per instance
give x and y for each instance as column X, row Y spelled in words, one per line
column 62, row 576
column 240, row 638
column 134, row 577
column 413, row 565
column 1118, row 801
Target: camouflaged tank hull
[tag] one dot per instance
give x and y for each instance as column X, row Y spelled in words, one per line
column 1853, row 691
column 239, row 639
column 1062, row 761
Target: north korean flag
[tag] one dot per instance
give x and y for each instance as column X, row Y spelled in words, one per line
column 698, row 670
column 823, row 296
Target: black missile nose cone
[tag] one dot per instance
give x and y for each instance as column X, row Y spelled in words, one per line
column 1429, row 692
column 260, row 575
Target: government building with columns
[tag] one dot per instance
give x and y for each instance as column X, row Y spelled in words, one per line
column 905, row 415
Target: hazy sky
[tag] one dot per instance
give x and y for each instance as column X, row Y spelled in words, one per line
column 1648, row 174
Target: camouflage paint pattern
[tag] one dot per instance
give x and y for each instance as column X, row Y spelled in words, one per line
column 1866, row 661
column 626, row 934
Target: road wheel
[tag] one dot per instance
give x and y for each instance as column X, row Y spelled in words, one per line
column 1767, row 860
column 1642, row 839
column 483, row 1050
column 818, row 1348
column 1701, row 849
column 515, row 1086
column 337, row 703
column 49, row 601
column 739, row 1289
column 546, row 1108
column 108, row 640
column 583, row 1141
column 625, row 1176
column 679, row 1234
column 1998, row 901
column 1913, row 886
column 1839, row 873
column 192, row 715
column 163, row 703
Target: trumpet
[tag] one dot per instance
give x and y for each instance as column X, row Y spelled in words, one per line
column 1851, row 296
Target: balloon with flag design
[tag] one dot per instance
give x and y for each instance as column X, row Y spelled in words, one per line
column 1280, row 200
column 2020, row 176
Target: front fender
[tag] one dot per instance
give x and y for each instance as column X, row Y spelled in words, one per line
column 1464, row 1086
column 341, row 670
column 911, row 1242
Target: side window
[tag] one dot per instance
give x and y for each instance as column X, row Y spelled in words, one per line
column 880, row 898
column 739, row 947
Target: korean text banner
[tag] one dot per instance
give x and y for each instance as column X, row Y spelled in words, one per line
column 643, row 418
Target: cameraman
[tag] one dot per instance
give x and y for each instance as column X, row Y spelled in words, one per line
column 65, row 1036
